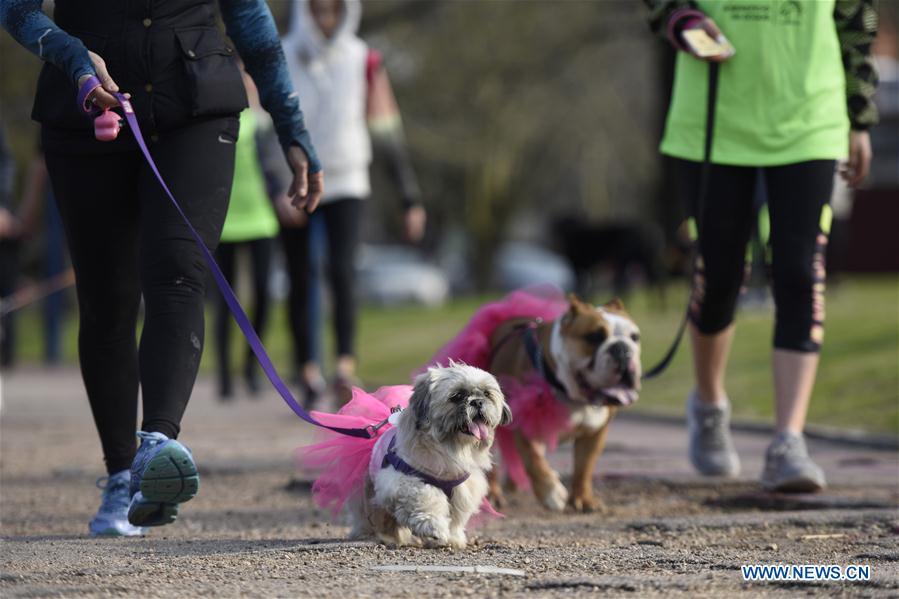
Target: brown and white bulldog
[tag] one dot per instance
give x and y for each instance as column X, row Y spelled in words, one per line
column 591, row 355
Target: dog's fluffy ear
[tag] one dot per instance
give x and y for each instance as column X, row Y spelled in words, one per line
column 420, row 402
column 507, row 415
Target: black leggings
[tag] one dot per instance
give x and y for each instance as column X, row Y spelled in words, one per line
column 342, row 224
column 261, row 257
column 797, row 197
column 126, row 240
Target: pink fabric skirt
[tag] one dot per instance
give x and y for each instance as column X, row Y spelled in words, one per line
column 343, row 461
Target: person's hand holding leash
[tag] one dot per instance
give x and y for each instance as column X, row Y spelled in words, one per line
column 856, row 168
column 306, row 188
column 101, row 96
column 703, row 39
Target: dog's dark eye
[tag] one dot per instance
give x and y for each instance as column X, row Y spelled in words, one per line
column 458, row 397
column 635, row 337
column 596, row 337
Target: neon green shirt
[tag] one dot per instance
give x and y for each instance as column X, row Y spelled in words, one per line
column 250, row 213
column 781, row 97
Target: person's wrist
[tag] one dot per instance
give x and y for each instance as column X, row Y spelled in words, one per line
column 681, row 19
column 303, row 141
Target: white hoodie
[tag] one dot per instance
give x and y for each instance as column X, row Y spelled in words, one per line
column 329, row 75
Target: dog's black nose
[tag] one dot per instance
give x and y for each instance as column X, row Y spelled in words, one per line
column 622, row 354
column 476, row 402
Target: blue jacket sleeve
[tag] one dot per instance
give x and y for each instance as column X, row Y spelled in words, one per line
column 33, row 29
column 250, row 25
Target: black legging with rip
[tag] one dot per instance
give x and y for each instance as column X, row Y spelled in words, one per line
column 797, row 196
column 127, row 241
column 341, row 219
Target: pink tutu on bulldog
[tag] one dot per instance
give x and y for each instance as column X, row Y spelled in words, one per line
column 472, row 344
column 535, row 410
column 343, row 461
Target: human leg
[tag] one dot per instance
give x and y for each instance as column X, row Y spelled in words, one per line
column 724, row 226
column 800, row 223
column 342, row 221
column 261, row 257
column 225, row 256
column 100, row 217
column 198, row 163
column 198, row 169
column 295, row 241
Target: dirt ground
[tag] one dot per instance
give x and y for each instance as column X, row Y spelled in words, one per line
column 253, row 530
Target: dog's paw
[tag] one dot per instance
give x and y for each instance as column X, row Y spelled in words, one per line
column 458, row 539
column 436, row 542
column 432, row 534
column 586, row 503
column 555, row 497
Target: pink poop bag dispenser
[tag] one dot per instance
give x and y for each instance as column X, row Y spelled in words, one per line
column 107, row 126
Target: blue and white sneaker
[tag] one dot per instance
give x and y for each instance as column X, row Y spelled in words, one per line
column 163, row 475
column 111, row 520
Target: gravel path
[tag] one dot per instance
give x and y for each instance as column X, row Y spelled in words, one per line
column 253, row 531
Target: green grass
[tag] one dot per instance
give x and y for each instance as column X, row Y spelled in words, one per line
column 857, row 386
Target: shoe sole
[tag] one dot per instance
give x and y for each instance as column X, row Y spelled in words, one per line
column 143, row 513
column 799, row 485
column 169, row 478
column 113, row 532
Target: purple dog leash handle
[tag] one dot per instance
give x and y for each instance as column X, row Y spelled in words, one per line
column 233, row 304
column 86, row 89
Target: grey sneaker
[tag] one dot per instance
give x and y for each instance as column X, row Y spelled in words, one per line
column 111, row 520
column 712, row 450
column 788, row 468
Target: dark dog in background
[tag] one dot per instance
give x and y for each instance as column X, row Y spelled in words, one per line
column 628, row 249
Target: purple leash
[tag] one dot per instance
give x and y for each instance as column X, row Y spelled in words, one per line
column 237, row 311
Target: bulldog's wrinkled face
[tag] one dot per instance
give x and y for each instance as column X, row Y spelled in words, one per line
column 459, row 403
column 597, row 353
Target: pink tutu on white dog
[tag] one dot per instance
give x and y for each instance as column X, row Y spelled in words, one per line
column 535, row 410
column 343, row 461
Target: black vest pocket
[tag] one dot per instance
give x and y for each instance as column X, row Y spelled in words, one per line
column 214, row 82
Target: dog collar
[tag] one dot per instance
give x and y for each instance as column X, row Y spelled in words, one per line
column 400, row 465
column 538, row 360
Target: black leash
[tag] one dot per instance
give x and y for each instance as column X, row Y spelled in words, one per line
column 701, row 199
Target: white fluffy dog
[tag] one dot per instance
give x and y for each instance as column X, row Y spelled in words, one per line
column 427, row 476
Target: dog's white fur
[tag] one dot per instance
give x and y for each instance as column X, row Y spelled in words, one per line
column 431, row 436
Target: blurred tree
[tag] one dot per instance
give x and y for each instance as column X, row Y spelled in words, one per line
column 525, row 110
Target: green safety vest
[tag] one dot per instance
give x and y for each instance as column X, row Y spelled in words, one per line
column 250, row 213
column 781, row 97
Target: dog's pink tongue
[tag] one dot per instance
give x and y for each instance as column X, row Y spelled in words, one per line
column 478, row 429
column 623, row 395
